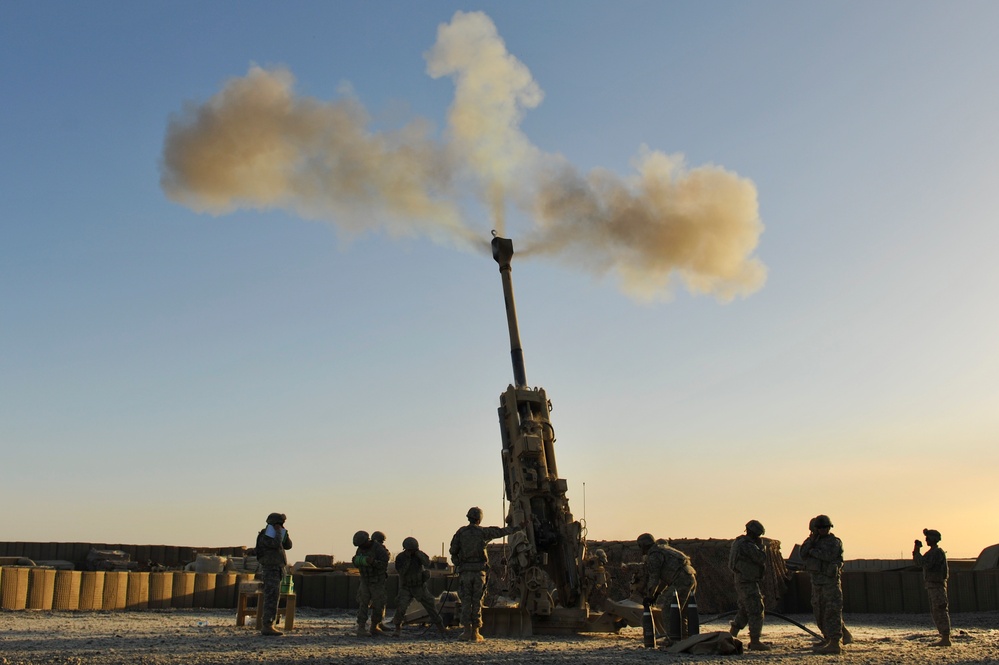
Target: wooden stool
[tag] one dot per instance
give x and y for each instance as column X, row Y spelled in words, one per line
column 249, row 590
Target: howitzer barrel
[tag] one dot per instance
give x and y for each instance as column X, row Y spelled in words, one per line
column 503, row 253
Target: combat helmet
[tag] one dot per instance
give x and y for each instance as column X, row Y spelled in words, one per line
column 410, row 543
column 276, row 518
column 600, row 555
column 646, row 540
column 822, row 522
column 754, row 528
column 360, row 538
column 378, row 537
column 931, row 534
column 474, row 514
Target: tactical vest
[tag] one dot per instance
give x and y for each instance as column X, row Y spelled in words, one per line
column 472, row 548
column 745, row 569
column 270, row 552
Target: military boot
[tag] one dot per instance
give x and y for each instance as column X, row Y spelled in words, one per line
column 398, row 630
column 832, row 647
column 466, row 633
column 361, row 632
column 944, row 641
column 269, row 629
column 475, row 636
column 733, row 631
column 756, row 645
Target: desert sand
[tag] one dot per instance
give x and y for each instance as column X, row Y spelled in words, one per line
column 204, row 637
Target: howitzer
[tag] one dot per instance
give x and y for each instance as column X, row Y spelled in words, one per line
column 547, row 558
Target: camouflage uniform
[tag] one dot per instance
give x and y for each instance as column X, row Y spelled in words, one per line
column 823, row 557
column 468, row 553
column 413, row 567
column 270, row 550
column 596, row 580
column 372, row 561
column 935, row 573
column 669, row 567
column 747, row 561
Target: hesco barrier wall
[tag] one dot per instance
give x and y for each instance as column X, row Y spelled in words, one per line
column 34, row 588
column 900, row 592
column 893, row 592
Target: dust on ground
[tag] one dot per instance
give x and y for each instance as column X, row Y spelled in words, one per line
column 208, row 637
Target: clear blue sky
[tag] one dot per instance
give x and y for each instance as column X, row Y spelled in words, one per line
column 169, row 375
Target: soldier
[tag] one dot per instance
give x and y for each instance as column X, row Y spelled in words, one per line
column 272, row 541
column 413, row 566
column 371, row 560
column 468, row 553
column 935, row 573
column 595, row 579
column 668, row 574
column 822, row 553
column 748, row 562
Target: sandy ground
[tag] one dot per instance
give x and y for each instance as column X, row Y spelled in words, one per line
column 203, row 637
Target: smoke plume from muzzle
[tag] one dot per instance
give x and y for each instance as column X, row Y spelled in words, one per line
column 256, row 144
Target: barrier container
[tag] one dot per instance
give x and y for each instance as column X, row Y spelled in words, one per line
column 115, row 590
column 92, row 590
column 67, row 590
column 49, row 551
column 961, row 592
column 157, row 554
column 985, row 590
column 891, row 583
column 204, row 589
column 914, row 599
column 311, row 590
column 225, row 590
column 14, row 588
column 137, row 592
column 340, row 594
column 41, row 588
column 183, row 590
column 874, row 582
column 854, row 592
column 160, row 590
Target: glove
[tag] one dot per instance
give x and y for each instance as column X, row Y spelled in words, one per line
column 648, row 602
column 918, row 544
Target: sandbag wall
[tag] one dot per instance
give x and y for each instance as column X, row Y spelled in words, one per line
column 900, row 592
column 36, row 588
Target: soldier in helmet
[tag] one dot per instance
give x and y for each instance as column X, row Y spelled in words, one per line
column 595, row 579
column 822, row 553
column 468, row 553
column 748, row 562
column 371, row 559
column 935, row 573
column 272, row 541
column 413, row 566
column 668, row 574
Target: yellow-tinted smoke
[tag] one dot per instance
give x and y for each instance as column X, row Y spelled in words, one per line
column 492, row 89
column 256, row 144
column 700, row 226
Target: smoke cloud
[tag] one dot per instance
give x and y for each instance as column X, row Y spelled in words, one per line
column 256, row 144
